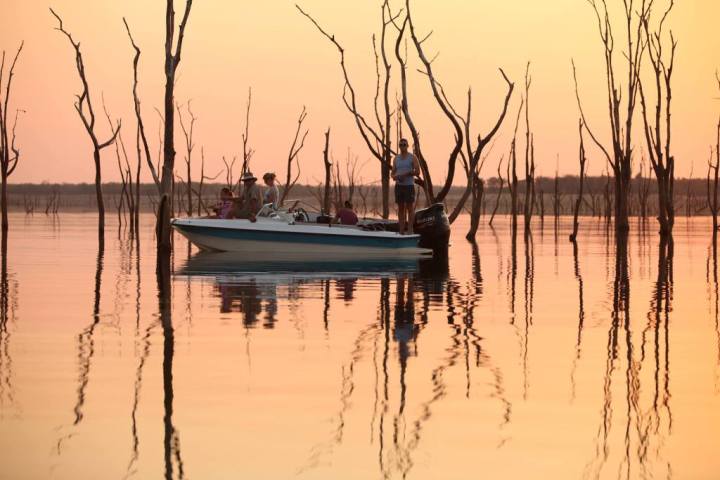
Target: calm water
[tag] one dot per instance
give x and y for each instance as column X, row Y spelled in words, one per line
column 516, row 359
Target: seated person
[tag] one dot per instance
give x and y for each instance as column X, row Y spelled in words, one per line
column 271, row 193
column 346, row 215
column 224, row 208
column 250, row 199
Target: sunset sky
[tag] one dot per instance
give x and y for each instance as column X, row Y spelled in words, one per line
column 231, row 46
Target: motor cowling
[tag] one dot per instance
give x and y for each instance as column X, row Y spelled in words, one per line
column 433, row 226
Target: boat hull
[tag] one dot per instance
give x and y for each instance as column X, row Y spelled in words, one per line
column 264, row 236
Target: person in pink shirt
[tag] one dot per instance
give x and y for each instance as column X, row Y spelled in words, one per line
column 224, row 208
column 346, row 215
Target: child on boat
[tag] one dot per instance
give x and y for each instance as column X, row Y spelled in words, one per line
column 224, row 208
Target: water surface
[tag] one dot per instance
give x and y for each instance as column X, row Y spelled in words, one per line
column 516, row 358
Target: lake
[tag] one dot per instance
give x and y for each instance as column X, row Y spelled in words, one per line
column 512, row 359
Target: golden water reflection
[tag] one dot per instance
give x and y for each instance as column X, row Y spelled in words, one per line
column 521, row 355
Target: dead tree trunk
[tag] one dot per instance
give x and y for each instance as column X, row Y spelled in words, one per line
column 172, row 60
column 499, row 192
column 714, row 168
column 477, row 196
column 9, row 153
column 141, row 143
column 578, row 202
column 247, row 151
column 291, row 179
column 512, row 167
column 529, row 199
column 188, row 132
column 473, row 159
column 377, row 138
column 621, row 99
column 661, row 159
column 84, row 108
column 328, row 173
column 556, row 198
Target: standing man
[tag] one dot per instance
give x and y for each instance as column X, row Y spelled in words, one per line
column 404, row 170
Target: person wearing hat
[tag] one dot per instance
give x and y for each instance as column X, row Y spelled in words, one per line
column 271, row 193
column 250, row 199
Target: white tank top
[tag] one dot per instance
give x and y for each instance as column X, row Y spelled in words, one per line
column 404, row 165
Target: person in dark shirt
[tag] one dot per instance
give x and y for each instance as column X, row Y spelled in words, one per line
column 346, row 215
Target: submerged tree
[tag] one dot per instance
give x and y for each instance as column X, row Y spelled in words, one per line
column 141, row 142
column 173, row 51
column 583, row 168
column 621, row 99
column 84, row 108
column 188, row 132
column 377, row 138
column 292, row 178
column 9, row 152
column 328, row 174
column 529, row 157
column 657, row 129
column 713, row 176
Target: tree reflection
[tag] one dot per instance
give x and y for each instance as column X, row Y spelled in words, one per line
column 171, row 439
column 86, row 347
column 647, row 419
column 711, row 277
column 8, row 306
column 581, row 315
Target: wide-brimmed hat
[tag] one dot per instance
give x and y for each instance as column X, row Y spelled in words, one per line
column 248, row 176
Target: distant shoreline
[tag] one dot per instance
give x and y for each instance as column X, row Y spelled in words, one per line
column 690, row 196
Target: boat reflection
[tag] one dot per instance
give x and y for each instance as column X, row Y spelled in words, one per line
column 285, row 266
column 248, row 284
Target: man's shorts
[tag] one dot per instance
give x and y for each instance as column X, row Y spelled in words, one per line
column 404, row 193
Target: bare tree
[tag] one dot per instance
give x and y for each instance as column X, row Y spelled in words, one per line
column 229, row 179
column 499, row 192
column 199, row 192
column 172, row 60
column 290, row 178
column 512, row 168
column 473, row 158
column 376, row 138
column 328, row 173
column 125, row 204
column 529, row 157
column 714, row 167
column 247, row 151
column 661, row 159
column 85, row 111
column 9, row 152
column 188, row 132
column 141, row 142
column 444, row 105
column 578, row 202
column 621, row 101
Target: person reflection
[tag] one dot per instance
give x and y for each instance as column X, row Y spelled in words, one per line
column 404, row 328
column 346, row 287
column 246, row 298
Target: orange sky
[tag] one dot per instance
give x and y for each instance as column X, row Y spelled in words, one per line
column 232, row 45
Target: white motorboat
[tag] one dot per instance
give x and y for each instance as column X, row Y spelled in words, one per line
column 284, row 233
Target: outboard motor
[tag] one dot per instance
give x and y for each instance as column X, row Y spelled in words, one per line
column 433, row 226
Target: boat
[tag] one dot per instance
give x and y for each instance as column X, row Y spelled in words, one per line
column 283, row 231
